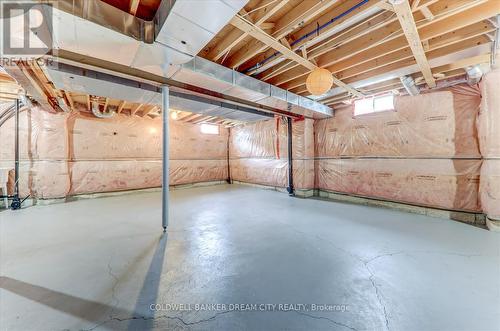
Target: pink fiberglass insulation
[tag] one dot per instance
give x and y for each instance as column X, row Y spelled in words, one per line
column 441, row 183
column 439, row 124
column 489, row 116
column 258, row 153
column 490, row 188
column 489, row 137
column 66, row 154
column 425, row 152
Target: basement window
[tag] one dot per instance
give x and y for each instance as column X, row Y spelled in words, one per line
column 374, row 104
column 209, row 128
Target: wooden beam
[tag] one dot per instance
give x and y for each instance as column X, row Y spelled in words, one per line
column 385, row 6
column 267, row 26
column 479, row 59
column 382, row 38
column 285, row 43
column 347, row 56
column 321, row 36
column 121, row 106
column 183, row 115
column 300, row 14
column 457, row 47
column 191, row 117
column 359, row 73
column 70, row 100
column 405, row 17
column 235, row 36
column 448, row 70
column 427, row 13
column 150, row 109
column 262, row 36
column 444, row 41
column 134, row 110
column 314, row 51
column 134, row 5
column 5, row 77
column 202, row 119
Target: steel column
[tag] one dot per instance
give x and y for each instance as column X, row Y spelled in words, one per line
column 16, row 201
column 165, row 173
column 290, row 188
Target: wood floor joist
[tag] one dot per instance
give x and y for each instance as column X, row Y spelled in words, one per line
column 444, row 72
column 267, row 9
column 388, row 39
column 304, row 12
column 284, row 49
column 405, row 17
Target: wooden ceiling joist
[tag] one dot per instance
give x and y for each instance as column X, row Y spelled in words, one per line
column 262, row 36
column 356, row 31
column 304, row 12
column 342, row 13
column 433, row 30
column 405, row 17
column 449, row 70
column 267, row 9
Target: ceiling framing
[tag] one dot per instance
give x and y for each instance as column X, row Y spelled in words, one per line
column 281, row 41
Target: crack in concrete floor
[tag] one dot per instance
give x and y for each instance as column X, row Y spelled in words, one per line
column 364, row 262
column 211, row 318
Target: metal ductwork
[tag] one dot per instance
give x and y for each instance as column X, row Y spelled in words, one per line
column 98, row 113
column 180, row 28
column 108, row 34
column 66, row 77
column 474, row 74
column 212, row 76
column 410, row 86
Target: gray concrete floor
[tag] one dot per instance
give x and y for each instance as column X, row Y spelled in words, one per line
column 100, row 264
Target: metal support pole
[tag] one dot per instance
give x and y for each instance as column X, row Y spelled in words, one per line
column 16, row 202
column 165, row 174
column 290, row 189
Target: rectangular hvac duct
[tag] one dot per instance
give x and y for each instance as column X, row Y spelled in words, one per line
column 69, row 78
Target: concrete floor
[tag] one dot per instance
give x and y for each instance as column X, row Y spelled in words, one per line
column 100, row 264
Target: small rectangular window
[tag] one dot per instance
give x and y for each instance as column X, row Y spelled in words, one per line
column 209, row 128
column 383, row 102
column 374, row 104
column 363, row 106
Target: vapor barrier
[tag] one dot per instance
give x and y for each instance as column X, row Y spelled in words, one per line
column 441, row 183
column 489, row 137
column 258, row 153
column 438, row 149
column 439, row 124
column 425, row 152
column 67, row 154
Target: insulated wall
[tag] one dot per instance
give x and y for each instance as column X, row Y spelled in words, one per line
column 258, row 153
column 489, row 137
column 77, row 153
column 426, row 152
